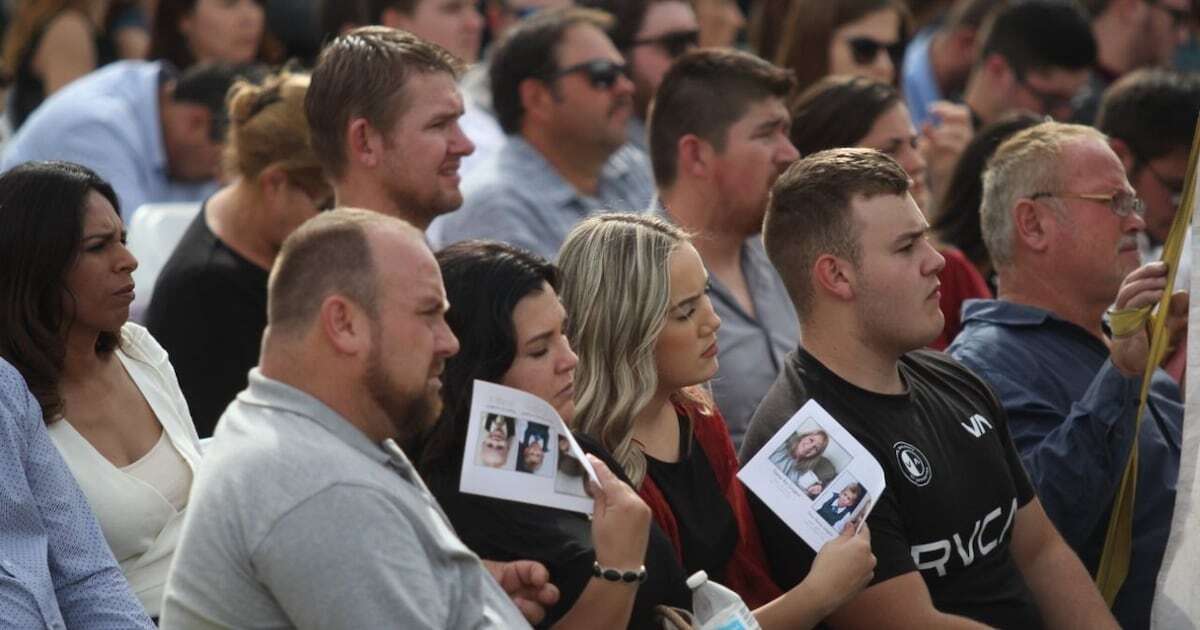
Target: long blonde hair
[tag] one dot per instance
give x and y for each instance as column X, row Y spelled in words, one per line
column 616, row 287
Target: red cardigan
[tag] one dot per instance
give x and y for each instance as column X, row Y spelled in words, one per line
column 747, row 572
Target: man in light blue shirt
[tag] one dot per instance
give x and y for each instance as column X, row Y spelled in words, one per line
column 561, row 91
column 56, row 570
column 154, row 137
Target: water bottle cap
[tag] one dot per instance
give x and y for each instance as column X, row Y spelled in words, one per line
column 696, row 579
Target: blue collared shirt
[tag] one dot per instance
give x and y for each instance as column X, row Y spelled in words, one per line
column 517, row 197
column 109, row 122
column 56, row 570
column 920, row 86
column 1071, row 415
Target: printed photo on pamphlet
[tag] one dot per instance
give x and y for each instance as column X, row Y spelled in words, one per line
column 815, row 476
column 519, row 449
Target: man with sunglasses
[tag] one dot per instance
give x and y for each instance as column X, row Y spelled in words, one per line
column 1130, row 34
column 1035, row 56
column 562, row 93
column 651, row 34
column 1061, row 222
column 1149, row 117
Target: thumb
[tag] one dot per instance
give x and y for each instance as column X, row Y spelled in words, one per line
column 600, row 490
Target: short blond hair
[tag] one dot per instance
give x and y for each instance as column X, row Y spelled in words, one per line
column 328, row 254
column 1025, row 164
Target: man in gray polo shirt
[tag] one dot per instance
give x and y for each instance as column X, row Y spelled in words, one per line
column 714, row 172
column 306, row 512
column 562, row 94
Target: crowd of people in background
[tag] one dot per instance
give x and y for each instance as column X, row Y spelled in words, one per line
column 255, row 255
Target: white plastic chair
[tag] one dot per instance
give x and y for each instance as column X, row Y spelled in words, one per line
column 154, row 232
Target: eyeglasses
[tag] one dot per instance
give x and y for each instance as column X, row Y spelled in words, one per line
column 1049, row 101
column 1173, row 186
column 675, row 43
column 865, row 50
column 1121, row 203
column 1178, row 16
column 600, row 73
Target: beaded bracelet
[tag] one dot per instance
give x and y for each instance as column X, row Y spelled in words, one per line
column 615, row 575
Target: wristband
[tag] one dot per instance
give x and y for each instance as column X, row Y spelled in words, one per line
column 616, row 575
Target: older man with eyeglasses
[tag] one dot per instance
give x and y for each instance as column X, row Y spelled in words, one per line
column 562, row 93
column 1061, row 221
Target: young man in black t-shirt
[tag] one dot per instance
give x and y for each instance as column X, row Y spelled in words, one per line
column 959, row 536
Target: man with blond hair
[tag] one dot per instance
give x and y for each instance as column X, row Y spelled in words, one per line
column 960, row 537
column 1061, row 221
column 383, row 110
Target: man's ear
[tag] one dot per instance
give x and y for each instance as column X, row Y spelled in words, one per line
column 999, row 71
column 1033, row 225
column 198, row 120
column 695, row 156
column 1123, row 152
column 835, row 276
column 345, row 326
column 537, row 98
column 364, row 145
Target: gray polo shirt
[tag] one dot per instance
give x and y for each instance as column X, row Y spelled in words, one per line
column 751, row 348
column 297, row 519
column 515, row 196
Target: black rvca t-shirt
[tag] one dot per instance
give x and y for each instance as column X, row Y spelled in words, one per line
column 209, row 311
column 954, row 483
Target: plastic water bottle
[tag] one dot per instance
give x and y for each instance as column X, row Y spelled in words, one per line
column 718, row 608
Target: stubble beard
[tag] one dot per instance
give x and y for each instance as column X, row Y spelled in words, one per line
column 410, row 416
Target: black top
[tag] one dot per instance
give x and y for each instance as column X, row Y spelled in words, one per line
column 28, row 90
column 209, row 310
column 708, row 533
column 954, row 483
column 507, row 530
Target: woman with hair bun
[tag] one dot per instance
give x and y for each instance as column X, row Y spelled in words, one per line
column 209, row 306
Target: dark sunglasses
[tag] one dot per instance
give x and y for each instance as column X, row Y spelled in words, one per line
column 600, row 73
column 865, row 50
column 1051, row 103
column 675, row 43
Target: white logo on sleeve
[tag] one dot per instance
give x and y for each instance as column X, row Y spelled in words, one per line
column 913, row 463
column 976, row 425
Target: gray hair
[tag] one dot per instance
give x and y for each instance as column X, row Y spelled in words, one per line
column 1025, row 164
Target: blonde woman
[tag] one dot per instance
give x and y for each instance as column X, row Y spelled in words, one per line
column 209, row 307
column 646, row 335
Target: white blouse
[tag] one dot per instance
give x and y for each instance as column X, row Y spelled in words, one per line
column 137, row 515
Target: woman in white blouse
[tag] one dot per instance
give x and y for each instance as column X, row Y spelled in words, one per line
column 106, row 388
